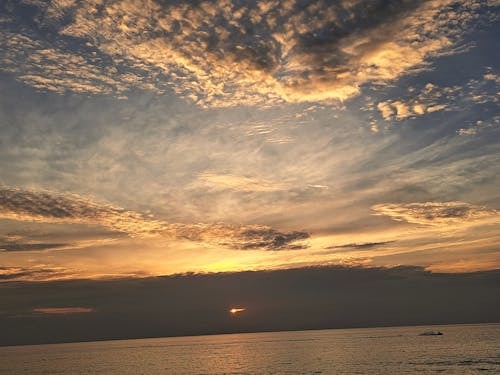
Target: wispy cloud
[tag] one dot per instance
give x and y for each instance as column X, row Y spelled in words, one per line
column 435, row 213
column 62, row 310
column 357, row 246
column 261, row 237
column 15, row 246
column 240, row 237
column 12, row 244
column 49, row 207
column 39, row 272
column 241, row 183
column 467, row 264
column 223, row 53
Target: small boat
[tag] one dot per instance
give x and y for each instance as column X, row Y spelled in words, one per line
column 431, row 333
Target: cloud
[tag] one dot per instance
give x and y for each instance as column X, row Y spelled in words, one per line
column 272, row 239
column 492, row 77
column 357, row 246
column 49, row 207
column 194, row 304
column 466, row 265
column 39, row 272
column 62, row 310
column 428, row 100
column 480, row 126
column 224, row 53
column 433, row 98
column 12, row 247
column 11, row 244
column 241, row 183
column 467, row 131
column 241, row 237
column 435, row 213
column 39, row 64
column 386, row 109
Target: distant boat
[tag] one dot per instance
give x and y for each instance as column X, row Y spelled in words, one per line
column 431, row 333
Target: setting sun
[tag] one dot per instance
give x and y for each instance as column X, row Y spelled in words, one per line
column 236, row 310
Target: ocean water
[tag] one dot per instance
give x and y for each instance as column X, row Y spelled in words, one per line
column 462, row 349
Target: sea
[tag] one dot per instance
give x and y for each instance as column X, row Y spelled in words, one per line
column 462, row 349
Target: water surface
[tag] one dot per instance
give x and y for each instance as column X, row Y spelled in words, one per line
column 463, row 349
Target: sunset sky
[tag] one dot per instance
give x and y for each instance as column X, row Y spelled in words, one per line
column 155, row 137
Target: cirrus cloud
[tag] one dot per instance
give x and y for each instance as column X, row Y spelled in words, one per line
column 50, row 207
column 435, row 213
column 241, row 183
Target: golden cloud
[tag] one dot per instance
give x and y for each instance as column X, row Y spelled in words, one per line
column 227, row 52
column 435, row 213
column 39, row 272
column 429, row 99
column 432, row 98
column 240, row 183
column 50, row 207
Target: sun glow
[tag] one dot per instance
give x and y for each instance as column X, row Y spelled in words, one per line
column 236, row 310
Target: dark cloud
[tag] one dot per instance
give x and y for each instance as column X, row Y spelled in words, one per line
column 35, row 273
column 307, row 298
column 436, row 213
column 15, row 246
column 358, row 246
column 242, row 237
column 273, row 240
column 324, row 44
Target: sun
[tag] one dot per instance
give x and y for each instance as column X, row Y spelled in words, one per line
column 236, row 310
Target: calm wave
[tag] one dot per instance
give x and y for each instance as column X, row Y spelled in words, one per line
column 462, row 349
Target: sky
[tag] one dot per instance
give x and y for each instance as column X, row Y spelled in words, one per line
column 303, row 162
column 160, row 137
